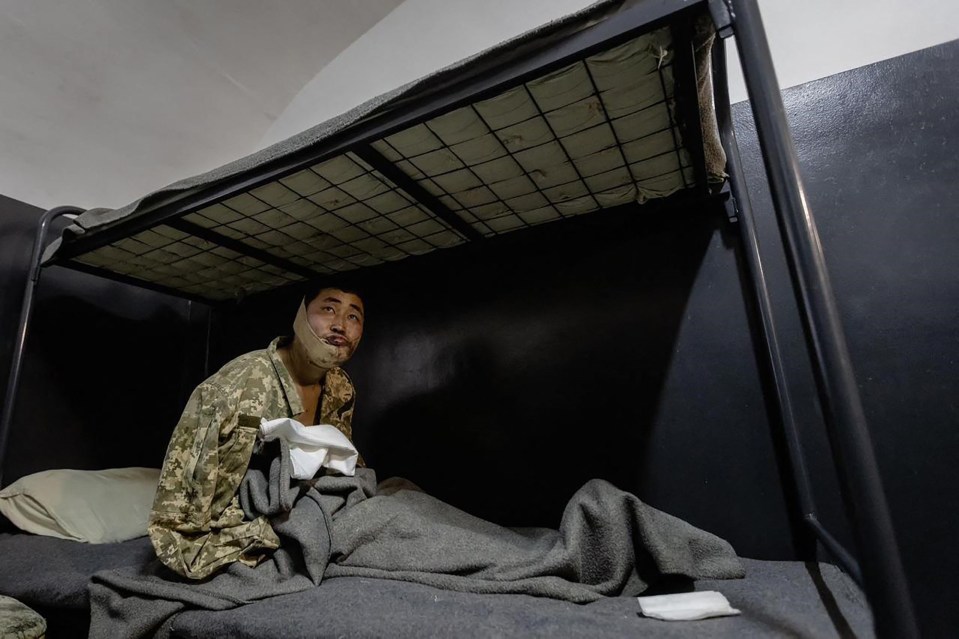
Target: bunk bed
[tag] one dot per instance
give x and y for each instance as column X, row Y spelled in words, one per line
column 609, row 108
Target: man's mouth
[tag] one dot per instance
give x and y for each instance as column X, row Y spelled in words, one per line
column 335, row 340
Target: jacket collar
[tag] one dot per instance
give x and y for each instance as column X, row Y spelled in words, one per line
column 284, row 375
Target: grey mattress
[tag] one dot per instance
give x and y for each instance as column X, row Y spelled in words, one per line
column 53, row 573
column 776, row 598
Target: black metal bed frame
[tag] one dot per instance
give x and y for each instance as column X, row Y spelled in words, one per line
column 879, row 570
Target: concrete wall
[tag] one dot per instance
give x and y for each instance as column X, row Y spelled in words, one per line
column 809, row 40
column 416, row 38
column 105, row 100
column 813, row 39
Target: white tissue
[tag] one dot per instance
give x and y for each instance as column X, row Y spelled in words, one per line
column 686, row 606
column 312, row 447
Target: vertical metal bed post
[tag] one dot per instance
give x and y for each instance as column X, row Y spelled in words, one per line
column 884, row 577
column 753, row 258
column 26, row 312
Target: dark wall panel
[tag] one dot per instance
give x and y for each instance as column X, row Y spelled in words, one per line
column 502, row 376
column 878, row 149
column 17, row 229
column 108, row 366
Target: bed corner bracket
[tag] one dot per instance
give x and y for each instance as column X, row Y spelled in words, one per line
column 730, row 205
column 722, row 14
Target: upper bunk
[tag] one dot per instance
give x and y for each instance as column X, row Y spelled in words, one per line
column 607, row 107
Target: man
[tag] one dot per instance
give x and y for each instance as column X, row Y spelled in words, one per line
column 196, row 524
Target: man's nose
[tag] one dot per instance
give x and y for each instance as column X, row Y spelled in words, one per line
column 337, row 325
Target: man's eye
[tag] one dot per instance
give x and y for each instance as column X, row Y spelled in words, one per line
column 328, row 309
column 355, row 318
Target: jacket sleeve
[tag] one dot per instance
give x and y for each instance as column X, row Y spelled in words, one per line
column 196, row 524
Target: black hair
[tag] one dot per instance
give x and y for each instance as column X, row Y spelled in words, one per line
column 314, row 288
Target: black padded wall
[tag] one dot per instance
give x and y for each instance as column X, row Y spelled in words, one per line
column 108, row 366
column 17, row 229
column 879, row 149
column 502, row 376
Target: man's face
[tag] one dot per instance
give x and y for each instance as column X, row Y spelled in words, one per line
column 337, row 318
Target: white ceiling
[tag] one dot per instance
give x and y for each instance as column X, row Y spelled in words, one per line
column 103, row 101
column 418, row 38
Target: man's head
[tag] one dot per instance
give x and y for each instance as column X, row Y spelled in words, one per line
column 332, row 326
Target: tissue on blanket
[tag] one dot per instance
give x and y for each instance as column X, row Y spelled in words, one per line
column 312, row 447
column 687, row 606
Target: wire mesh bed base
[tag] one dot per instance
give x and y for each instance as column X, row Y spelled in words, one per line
column 606, row 127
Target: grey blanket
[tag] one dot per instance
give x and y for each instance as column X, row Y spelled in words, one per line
column 608, row 543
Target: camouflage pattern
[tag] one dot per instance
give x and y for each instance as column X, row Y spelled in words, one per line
column 18, row 621
column 197, row 525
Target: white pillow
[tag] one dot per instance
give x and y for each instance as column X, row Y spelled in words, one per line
column 95, row 506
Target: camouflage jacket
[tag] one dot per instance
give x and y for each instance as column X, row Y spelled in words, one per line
column 196, row 524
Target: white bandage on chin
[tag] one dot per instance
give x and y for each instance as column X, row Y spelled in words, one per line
column 320, row 354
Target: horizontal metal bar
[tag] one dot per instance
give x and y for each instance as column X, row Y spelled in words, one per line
column 239, row 247
column 133, row 281
column 490, row 77
column 375, row 159
column 653, row 215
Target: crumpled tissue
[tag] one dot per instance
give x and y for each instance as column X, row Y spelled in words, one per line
column 312, row 447
column 686, row 606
